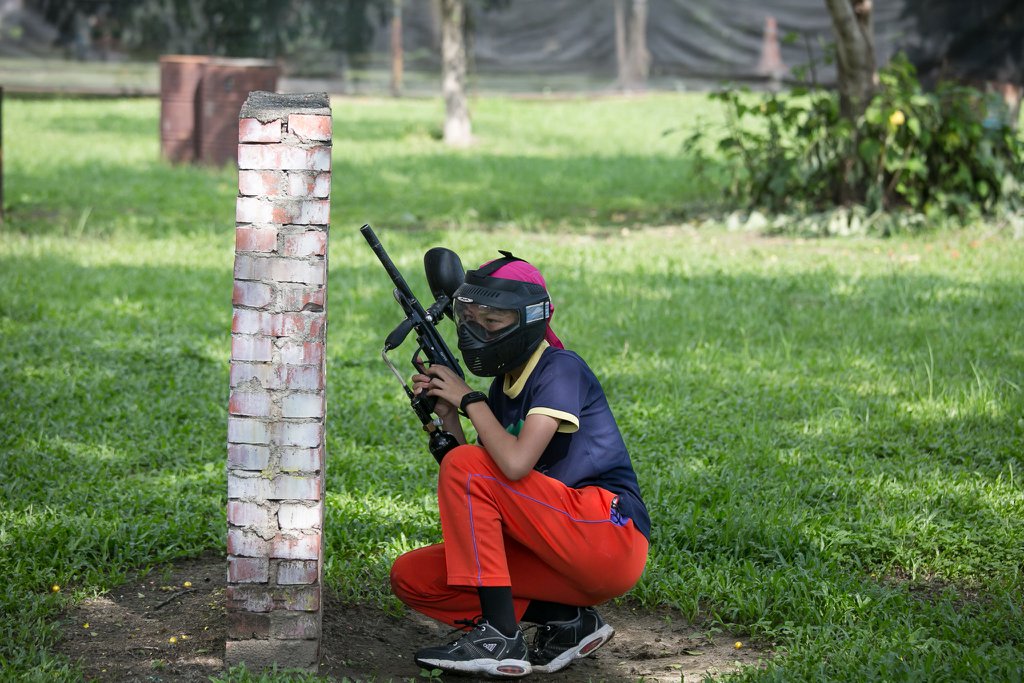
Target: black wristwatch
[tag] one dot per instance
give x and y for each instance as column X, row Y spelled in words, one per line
column 471, row 397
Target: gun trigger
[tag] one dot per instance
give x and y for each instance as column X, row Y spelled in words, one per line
column 418, row 363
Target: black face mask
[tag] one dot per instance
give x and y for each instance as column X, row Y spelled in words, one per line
column 487, row 354
column 495, row 358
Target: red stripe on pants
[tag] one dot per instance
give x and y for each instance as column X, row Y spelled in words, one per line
column 548, row 541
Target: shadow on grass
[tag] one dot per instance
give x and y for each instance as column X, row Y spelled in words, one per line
column 156, row 199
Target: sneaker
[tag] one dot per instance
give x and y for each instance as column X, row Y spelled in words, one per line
column 484, row 650
column 558, row 643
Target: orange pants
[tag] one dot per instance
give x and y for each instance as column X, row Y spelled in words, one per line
column 547, row 541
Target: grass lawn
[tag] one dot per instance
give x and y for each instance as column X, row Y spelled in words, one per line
column 829, row 433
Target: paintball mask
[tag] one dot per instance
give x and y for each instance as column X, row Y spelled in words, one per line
column 500, row 322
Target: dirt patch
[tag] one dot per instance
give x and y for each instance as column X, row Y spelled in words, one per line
column 171, row 626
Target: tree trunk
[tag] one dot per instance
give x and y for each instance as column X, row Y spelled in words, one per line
column 457, row 128
column 639, row 57
column 621, row 52
column 396, row 48
column 631, row 53
column 855, row 54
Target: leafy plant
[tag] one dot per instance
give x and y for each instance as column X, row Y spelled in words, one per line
column 939, row 153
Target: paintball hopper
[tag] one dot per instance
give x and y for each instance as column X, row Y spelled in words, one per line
column 445, row 274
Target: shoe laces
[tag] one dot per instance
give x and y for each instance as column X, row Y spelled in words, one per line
column 466, row 626
column 539, row 634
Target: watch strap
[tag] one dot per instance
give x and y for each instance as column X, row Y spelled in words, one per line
column 471, row 397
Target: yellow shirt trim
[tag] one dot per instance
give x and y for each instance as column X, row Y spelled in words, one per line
column 512, row 390
column 567, row 422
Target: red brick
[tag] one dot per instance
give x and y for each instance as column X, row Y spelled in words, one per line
column 296, row 377
column 248, row 625
column 295, row 625
column 295, row 298
column 244, row 347
column 322, row 185
column 310, row 127
column 251, row 403
column 305, row 272
column 302, row 353
column 246, row 430
column 284, row 157
column 243, row 543
column 298, row 517
column 243, row 456
column 298, row 598
column 254, row 488
column 247, row 267
column 247, row 514
column 262, row 183
column 301, row 460
column 309, row 243
column 248, row 570
column 253, row 130
column 254, row 210
column 305, row 547
column 302, row 377
column 308, row 434
column 317, row 327
column 252, row 294
column 277, row 269
column 289, row 487
column 296, row 324
column 296, row 212
column 255, row 239
column 250, row 598
column 303, row 405
column 298, row 572
column 262, row 373
column 314, row 212
column 245, row 321
column 309, row 185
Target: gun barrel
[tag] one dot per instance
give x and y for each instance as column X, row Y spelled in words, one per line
column 389, row 265
column 423, row 322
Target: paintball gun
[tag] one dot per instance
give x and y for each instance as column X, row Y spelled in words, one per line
column 444, row 273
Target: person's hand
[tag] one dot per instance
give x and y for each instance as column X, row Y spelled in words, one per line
column 443, row 409
column 442, row 383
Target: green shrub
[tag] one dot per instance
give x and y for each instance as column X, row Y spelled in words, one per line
column 938, row 153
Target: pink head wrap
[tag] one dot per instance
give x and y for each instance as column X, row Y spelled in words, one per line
column 522, row 271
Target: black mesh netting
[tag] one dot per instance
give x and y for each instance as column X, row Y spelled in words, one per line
column 693, row 40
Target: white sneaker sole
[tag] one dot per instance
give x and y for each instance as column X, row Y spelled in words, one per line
column 504, row 668
column 586, row 648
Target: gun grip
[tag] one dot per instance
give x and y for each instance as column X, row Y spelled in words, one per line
column 398, row 335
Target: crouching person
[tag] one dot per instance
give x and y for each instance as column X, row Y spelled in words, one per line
column 543, row 519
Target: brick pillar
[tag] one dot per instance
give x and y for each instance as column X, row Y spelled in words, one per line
column 277, row 400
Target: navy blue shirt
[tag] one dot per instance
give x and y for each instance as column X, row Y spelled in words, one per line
column 587, row 449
